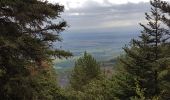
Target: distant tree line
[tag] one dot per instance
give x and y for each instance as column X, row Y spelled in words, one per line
column 27, row 33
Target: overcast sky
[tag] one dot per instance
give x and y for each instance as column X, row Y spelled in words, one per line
column 103, row 15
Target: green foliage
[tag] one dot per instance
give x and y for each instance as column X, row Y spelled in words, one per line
column 86, row 69
column 146, row 60
column 87, row 81
column 42, row 86
column 122, row 83
column 99, row 90
column 27, row 33
column 95, row 90
column 140, row 92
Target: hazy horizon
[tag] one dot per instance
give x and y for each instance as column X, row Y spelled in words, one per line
column 100, row 27
column 95, row 24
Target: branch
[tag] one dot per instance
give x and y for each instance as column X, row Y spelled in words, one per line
column 57, row 28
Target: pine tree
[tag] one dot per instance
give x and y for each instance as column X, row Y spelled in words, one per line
column 86, row 70
column 144, row 60
column 27, row 33
column 88, row 82
column 165, row 73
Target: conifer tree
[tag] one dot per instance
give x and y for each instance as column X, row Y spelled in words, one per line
column 86, row 70
column 144, row 62
column 165, row 73
column 88, row 81
column 27, row 33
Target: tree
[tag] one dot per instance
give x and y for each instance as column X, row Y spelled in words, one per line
column 145, row 61
column 165, row 73
column 122, row 85
column 86, row 69
column 27, row 33
column 88, row 82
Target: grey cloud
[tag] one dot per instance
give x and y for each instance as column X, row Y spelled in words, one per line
column 95, row 7
column 94, row 16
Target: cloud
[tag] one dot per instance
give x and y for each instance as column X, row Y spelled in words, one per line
column 80, row 3
column 94, row 16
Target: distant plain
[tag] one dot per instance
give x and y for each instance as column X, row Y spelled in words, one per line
column 103, row 46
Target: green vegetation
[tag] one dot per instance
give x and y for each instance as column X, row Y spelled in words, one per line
column 27, row 34
column 86, row 78
column 142, row 73
column 86, row 69
column 145, row 64
column 26, row 50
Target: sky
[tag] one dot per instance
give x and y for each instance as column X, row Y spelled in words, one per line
column 96, row 17
column 103, row 15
